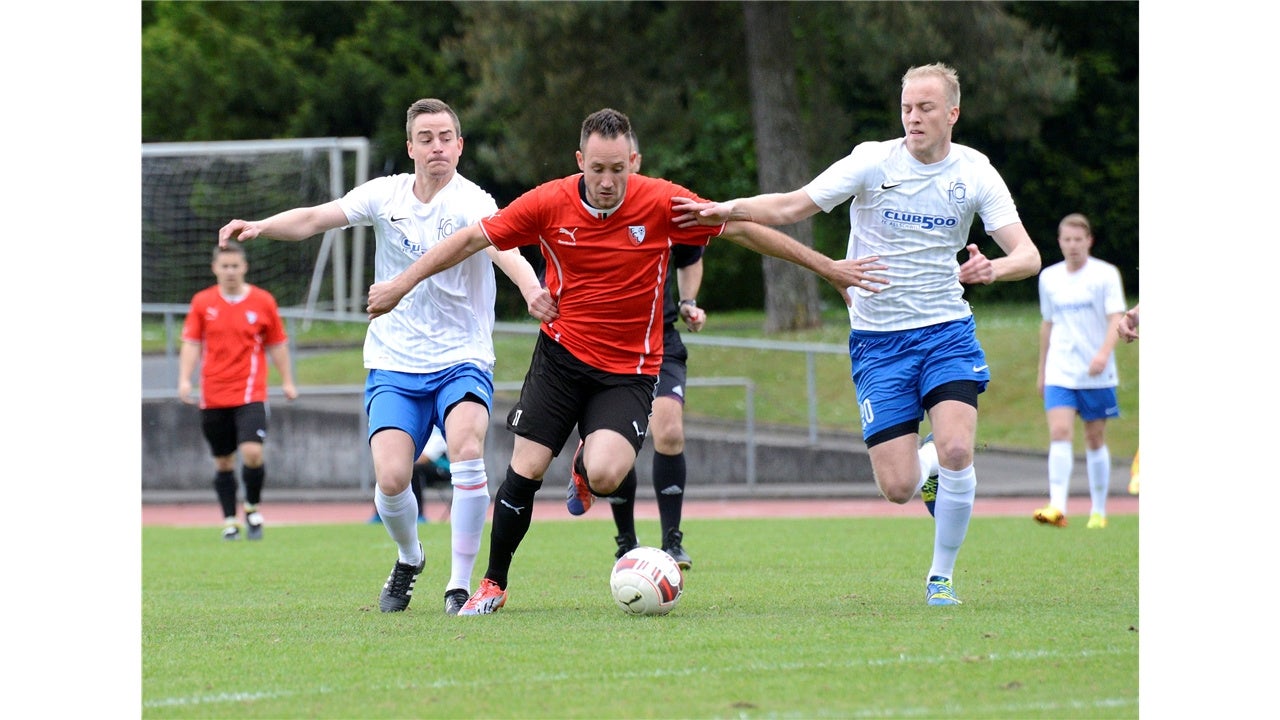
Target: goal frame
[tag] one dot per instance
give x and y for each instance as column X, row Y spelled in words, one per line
column 347, row 293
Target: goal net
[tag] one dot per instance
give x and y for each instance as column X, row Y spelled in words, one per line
column 190, row 190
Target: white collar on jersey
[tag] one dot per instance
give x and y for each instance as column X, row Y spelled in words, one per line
column 597, row 212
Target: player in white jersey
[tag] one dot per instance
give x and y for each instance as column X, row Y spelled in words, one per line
column 1081, row 302
column 912, row 344
column 430, row 360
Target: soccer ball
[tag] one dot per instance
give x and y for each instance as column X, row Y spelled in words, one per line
column 646, row 581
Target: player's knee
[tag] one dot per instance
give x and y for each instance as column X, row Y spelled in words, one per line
column 393, row 481
column 896, row 490
column 668, row 443
column 604, row 484
column 466, row 450
column 955, row 453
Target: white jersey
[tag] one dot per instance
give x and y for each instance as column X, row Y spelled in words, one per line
column 915, row 218
column 1077, row 304
column 448, row 318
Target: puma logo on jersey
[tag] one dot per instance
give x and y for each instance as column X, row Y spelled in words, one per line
column 573, row 240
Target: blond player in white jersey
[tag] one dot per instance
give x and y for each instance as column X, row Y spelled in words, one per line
column 912, row 343
column 430, row 360
column 1081, row 303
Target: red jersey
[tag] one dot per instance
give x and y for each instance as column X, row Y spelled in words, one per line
column 607, row 274
column 233, row 339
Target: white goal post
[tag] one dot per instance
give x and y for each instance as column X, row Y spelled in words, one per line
column 191, row 189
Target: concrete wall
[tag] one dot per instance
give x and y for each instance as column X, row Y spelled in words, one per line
column 318, row 443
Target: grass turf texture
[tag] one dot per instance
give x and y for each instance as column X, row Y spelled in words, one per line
column 780, row 618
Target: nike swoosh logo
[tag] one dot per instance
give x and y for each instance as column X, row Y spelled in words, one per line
column 979, row 368
column 889, row 185
column 398, row 219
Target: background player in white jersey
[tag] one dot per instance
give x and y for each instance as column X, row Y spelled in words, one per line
column 912, row 343
column 430, row 359
column 1081, row 302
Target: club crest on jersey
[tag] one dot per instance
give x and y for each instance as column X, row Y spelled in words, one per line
column 252, row 317
column 637, row 234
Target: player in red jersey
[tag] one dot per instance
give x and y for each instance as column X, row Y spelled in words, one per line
column 606, row 235
column 231, row 329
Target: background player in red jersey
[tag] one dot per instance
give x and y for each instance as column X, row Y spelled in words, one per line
column 231, row 329
column 606, row 235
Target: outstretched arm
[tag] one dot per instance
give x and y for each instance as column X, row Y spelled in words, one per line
column 538, row 301
column 766, row 209
column 383, row 296
column 842, row 274
column 296, row 224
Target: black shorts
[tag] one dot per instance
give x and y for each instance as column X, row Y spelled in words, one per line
column 226, row 428
column 675, row 370
column 561, row 391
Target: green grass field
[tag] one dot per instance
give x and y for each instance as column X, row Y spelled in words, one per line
column 781, row 618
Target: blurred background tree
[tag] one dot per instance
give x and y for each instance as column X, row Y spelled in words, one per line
column 1050, row 94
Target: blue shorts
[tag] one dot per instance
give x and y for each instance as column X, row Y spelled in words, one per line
column 1090, row 404
column 893, row 371
column 417, row 402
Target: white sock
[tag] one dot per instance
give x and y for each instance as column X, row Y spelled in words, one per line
column 399, row 515
column 951, row 513
column 1098, row 463
column 1061, row 461
column 928, row 454
column 467, row 516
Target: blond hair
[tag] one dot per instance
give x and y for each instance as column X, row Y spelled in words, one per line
column 945, row 73
column 1076, row 220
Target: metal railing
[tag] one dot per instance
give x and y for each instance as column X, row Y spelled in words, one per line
column 173, row 312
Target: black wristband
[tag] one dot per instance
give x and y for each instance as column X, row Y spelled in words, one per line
column 690, row 302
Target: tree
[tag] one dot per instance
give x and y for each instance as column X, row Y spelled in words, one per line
column 791, row 294
column 1050, row 94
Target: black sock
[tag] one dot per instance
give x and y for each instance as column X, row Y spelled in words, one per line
column 668, row 486
column 623, row 504
column 512, row 513
column 253, row 480
column 224, row 483
column 416, row 483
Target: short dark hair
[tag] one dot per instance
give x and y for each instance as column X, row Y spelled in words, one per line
column 429, row 106
column 233, row 248
column 607, row 123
